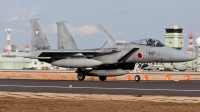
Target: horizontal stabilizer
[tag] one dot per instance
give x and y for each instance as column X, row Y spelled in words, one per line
column 34, row 57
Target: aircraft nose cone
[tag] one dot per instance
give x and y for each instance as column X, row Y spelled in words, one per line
column 179, row 56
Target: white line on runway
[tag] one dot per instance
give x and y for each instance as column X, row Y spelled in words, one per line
column 64, row 87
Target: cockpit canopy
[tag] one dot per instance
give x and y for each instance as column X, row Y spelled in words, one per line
column 149, row 42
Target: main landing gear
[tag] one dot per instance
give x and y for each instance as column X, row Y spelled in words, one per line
column 137, row 78
column 102, row 78
column 81, row 76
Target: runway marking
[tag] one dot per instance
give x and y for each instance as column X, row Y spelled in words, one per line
column 63, row 87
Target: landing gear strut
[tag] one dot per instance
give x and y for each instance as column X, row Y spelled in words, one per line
column 81, row 76
column 137, row 78
column 102, row 78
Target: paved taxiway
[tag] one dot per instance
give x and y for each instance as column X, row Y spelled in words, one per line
column 167, row 88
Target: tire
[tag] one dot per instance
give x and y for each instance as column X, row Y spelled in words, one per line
column 137, row 78
column 80, row 76
column 102, row 78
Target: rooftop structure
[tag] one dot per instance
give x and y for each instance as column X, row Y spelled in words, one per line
column 121, row 42
column 174, row 37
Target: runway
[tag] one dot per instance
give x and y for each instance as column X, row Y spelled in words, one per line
column 167, row 88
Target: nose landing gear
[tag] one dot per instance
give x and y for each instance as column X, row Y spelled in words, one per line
column 137, row 78
column 137, row 69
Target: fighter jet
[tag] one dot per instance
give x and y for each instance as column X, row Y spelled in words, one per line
column 182, row 68
column 112, row 61
column 151, row 68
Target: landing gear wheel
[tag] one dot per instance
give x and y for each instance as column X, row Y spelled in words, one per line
column 80, row 76
column 102, row 78
column 137, row 78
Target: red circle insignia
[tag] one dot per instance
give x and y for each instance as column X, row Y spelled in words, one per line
column 139, row 55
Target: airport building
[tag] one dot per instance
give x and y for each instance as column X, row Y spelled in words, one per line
column 174, row 37
column 10, row 59
column 193, row 49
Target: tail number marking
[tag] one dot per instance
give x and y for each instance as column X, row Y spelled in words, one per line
column 43, row 47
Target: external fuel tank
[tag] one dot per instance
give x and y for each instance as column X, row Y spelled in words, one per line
column 76, row 63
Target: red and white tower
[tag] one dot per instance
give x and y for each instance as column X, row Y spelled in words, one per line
column 8, row 46
column 190, row 45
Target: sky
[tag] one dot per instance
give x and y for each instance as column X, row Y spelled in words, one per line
column 128, row 20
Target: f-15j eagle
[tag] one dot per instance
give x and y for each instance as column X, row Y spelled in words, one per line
column 113, row 61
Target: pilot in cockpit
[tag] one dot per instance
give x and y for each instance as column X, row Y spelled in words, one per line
column 158, row 44
column 151, row 42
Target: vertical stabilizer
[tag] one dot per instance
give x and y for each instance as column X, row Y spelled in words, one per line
column 106, row 35
column 65, row 40
column 38, row 39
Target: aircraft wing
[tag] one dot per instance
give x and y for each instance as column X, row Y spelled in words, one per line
column 62, row 53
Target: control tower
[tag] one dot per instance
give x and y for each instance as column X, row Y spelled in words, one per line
column 174, row 37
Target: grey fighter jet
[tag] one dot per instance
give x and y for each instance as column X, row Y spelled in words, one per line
column 182, row 68
column 151, row 68
column 113, row 61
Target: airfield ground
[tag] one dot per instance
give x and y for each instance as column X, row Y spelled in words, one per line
column 45, row 102
column 61, row 102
